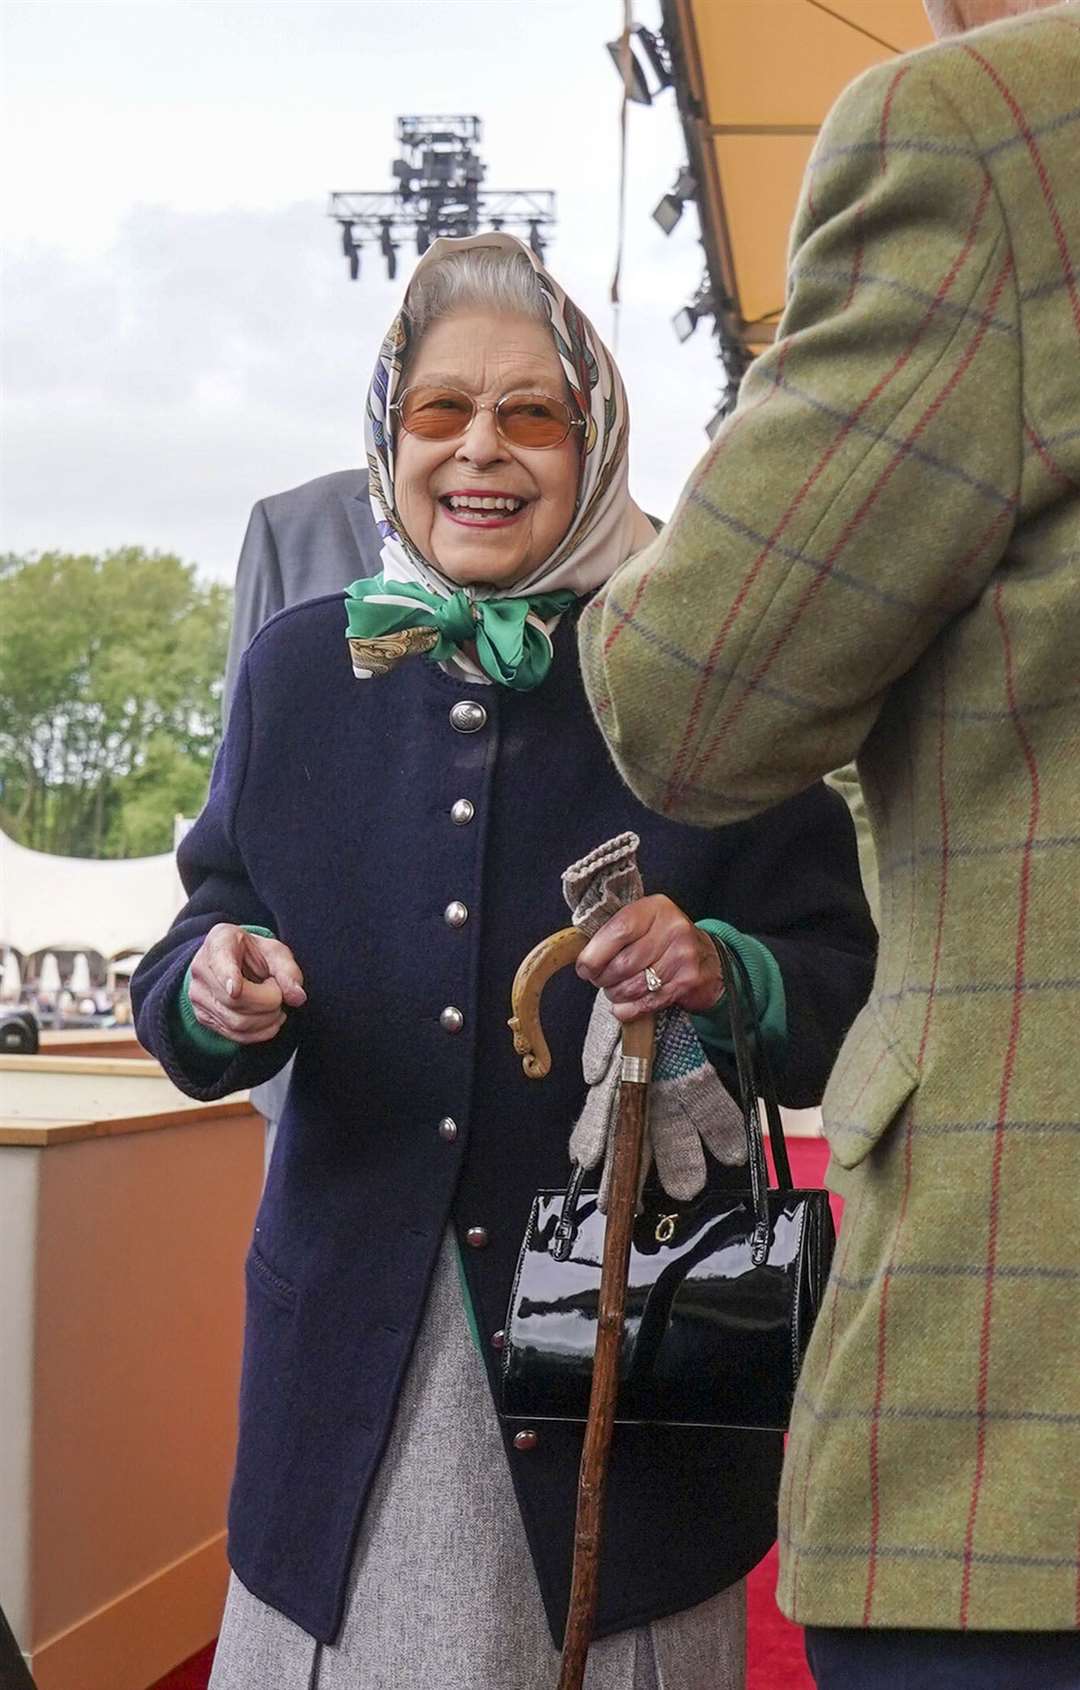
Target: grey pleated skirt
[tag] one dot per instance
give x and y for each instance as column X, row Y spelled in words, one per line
column 442, row 1590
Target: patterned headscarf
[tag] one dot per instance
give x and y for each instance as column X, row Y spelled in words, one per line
column 607, row 526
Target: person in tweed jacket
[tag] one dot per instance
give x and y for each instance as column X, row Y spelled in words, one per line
column 879, row 558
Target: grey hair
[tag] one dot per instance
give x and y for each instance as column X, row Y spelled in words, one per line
column 484, row 278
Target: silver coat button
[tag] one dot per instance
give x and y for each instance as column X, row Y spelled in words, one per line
column 462, row 812
column 467, row 717
column 451, row 1019
column 525, row 1440
column 448, row 1129
column 456, row 914
column 476, row 1237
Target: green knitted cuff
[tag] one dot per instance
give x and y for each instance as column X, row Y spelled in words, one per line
column 767, row 983
column 189, row 1032
column 466, row 1297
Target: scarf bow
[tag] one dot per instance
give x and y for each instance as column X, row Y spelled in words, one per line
column 388, row 620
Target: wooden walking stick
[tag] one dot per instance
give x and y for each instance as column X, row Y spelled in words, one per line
column 638, row 1036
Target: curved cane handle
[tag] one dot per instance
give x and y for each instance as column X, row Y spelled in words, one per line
column 544, row 960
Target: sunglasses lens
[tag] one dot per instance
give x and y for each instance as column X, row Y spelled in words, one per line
column 436, row 413
column 525, row 419
column 533, row 419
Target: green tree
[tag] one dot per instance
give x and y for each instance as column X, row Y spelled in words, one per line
column 110, row 693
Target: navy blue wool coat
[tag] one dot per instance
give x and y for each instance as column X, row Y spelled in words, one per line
column 329, row 821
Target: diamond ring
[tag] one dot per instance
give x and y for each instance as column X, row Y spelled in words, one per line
column 653, row 982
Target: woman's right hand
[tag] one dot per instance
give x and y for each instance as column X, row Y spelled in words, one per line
column 241, row 984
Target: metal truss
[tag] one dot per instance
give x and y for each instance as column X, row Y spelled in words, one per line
column 438, row 192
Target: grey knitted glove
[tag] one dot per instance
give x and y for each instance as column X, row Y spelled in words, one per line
column 690, row 1107
column 688, row 1104
column 597, row 886
column 601, row 1063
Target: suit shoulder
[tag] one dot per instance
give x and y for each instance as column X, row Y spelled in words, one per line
column 964, row 72
column 891, row 127
column 944, row 106
column 872, row 102
column 1031, row 41
column 315, row 495
column 1016, row 79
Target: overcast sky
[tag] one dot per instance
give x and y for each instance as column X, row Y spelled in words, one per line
column 180, row 333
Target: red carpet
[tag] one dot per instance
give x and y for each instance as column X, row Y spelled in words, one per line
column 193, row 1675
column 774, row 1646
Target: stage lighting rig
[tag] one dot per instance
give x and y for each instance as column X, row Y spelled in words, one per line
column 438, row 190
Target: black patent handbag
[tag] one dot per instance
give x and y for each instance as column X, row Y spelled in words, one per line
column 722, row 1290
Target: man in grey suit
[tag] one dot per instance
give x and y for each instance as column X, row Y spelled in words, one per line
column 314, row 539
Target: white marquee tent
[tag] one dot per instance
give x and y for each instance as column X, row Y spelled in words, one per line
column 84, row 904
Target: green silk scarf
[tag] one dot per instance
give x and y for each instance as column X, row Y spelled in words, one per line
column 512, row 645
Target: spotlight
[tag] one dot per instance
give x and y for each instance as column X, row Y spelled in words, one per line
column 668, row 212
column 686, row 321
column 351, row 250
column 388, row 250
column 670, row 208
column 656, row 54
column 638, row 89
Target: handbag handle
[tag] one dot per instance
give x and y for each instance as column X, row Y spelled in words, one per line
column 755, row 1079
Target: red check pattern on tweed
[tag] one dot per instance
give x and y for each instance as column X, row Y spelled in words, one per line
column 879, row 557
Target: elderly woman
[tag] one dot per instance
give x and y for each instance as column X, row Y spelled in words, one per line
column 374, row 859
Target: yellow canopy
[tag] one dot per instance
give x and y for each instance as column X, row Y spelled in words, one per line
column 755, row 79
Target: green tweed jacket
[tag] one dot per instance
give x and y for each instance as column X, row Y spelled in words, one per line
column 879, row 558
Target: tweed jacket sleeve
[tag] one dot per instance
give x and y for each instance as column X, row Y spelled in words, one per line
column 859, row 496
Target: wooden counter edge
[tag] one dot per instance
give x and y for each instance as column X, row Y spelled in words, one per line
column 13, row 1132
column 135, row 1067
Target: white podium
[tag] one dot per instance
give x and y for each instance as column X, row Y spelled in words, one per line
column 125, row 1212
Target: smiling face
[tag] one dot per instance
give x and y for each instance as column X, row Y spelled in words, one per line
column 437, row 483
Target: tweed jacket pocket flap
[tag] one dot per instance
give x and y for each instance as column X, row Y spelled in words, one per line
column 873, row 1079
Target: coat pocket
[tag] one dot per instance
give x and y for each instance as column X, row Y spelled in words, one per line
column 873, row 1079
column 277, row 1289
column 273, row 1367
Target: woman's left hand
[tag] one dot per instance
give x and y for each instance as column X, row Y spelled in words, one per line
column 652, row 933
